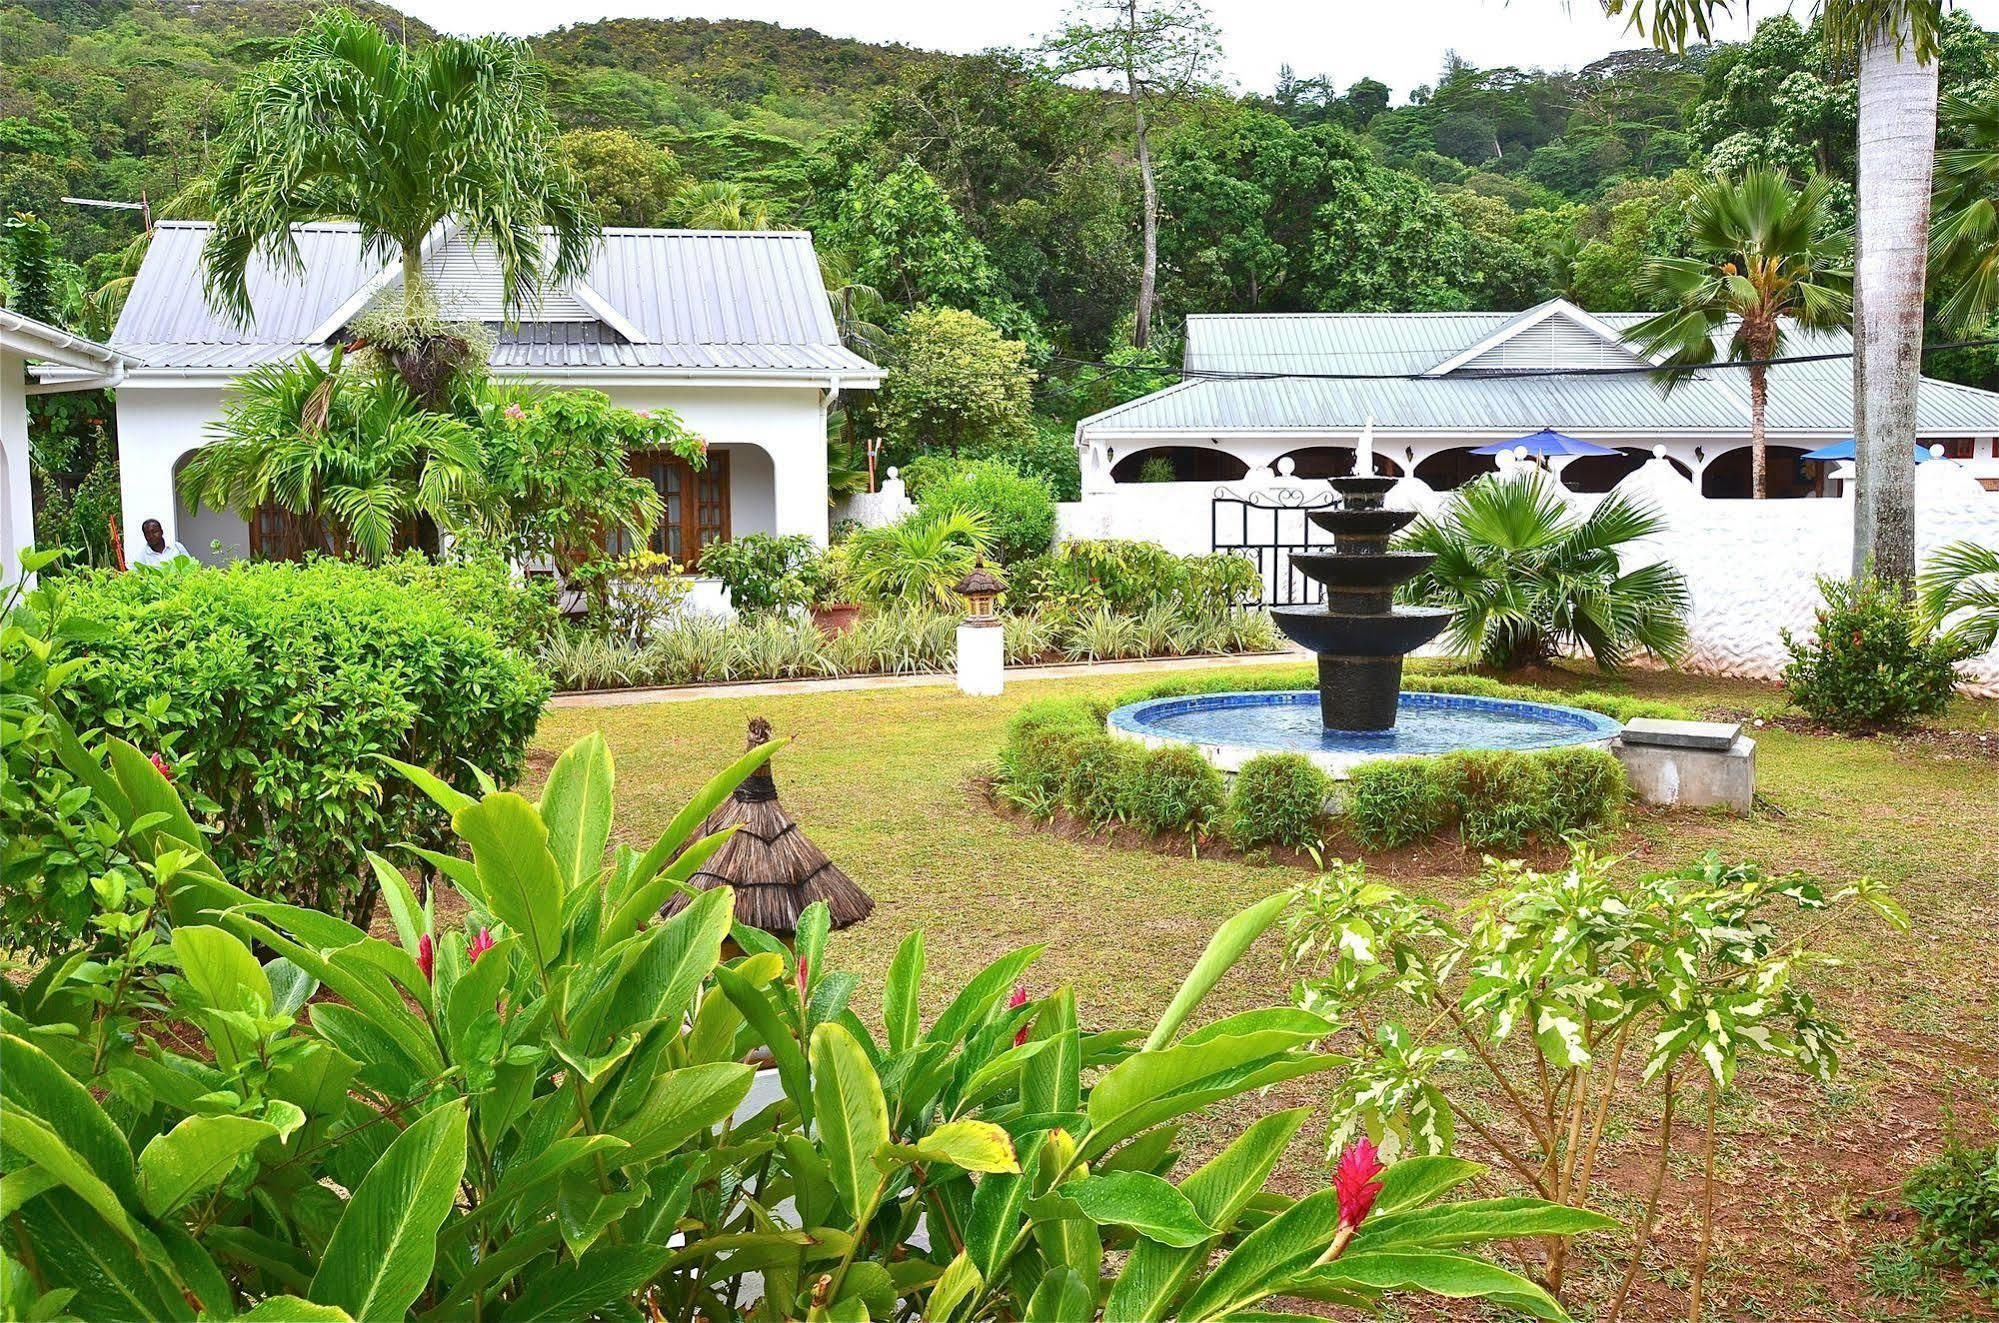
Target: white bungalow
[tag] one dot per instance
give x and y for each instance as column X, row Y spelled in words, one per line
column 731, row 330
column 1302, row 388
column 61, row 361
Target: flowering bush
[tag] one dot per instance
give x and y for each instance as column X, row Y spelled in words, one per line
column 1869, row 663
column 547, row 1112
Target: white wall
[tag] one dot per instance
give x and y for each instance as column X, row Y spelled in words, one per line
column 17, row 501
column 776, row 438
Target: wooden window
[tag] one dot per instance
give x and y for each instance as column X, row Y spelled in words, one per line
column 697, row 503
column 1958, row 447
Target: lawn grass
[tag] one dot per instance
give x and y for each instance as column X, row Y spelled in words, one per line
column 887, row 782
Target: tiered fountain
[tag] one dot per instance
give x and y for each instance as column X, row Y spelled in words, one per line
column 1360, row 635
column 1359, row 711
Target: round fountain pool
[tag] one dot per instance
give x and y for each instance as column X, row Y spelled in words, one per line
column 1230, row 729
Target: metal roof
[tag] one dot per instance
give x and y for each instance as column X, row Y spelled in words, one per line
column 727, row 302
column 1804, row 397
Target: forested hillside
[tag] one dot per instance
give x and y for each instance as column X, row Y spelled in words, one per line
column 989, row 183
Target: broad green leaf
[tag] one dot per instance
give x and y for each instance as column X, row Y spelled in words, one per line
column 1413, row 1182
column 77, row 1249
column 35, row 1140
column 972, row 1145
column 1474, row 1222
column 17, row 1187
column 851, row 1112
column 958, row 1285
column 899, row 998
column 975, row 1002
column 510, row 850
column 380, row 1256
column 1156, row 1073
column 668, row 972
column 576, row 805
column 291, row 1309
column 696, row 810
column 1141, row 1201
column 1454, row 1276
column 149, row 792
column 1218, row 1192
column 642, row 904
column 1062, row 1297
column 195, row 1157
column 227, row 977
column 1266, row 1258
column 441, row 793
column 33, row 1085
column 1223, row 950
column 775, row 1034
column 408, row 916
column 681, row 1104
column 194, row 1270
column 578, row 1288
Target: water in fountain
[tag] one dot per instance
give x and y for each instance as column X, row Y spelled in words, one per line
column 1360, row 635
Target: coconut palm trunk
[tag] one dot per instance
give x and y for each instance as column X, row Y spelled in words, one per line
column 1898, row 119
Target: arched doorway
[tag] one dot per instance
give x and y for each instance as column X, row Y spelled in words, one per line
column 1334, row 462
column 1178, row 464
column 1599, row 473
column 1728, row 475
column 1448, row 470
column 211, row 536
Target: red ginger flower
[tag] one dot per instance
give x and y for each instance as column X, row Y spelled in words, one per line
column 804, row 973
column 1014, row 1003
column 480, row 944
column 1358, row 1181
column 163, row 767
column 426, row 955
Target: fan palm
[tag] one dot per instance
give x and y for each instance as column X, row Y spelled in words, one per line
column 1964, row 245
column 1959, row 592
column 348, row 124
column 1528, row 581
column 1895, row 44
column 357, row 454
column 917, row 559
column 720, row 206
column 1763, row 260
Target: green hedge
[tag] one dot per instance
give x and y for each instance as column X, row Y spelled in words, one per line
column 281, row 688
column 1058, row 755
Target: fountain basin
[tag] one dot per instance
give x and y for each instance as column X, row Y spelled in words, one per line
column 1390, row 635
column 1230, row 729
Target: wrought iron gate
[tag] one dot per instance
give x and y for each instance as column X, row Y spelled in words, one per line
column 1266, row 526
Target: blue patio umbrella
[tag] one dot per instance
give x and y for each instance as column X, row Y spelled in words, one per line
column 1545, row 443
column 1839, row 450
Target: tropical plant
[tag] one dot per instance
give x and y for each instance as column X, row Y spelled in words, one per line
column 766, row 572
column 919, row 558
column 399, row 137
column 351, row 453
column 1765, row 255
column 1019, row 510
column 955, row 382
column 1871, row 660
column 1895, row 45
column 719, row 205
column 1526, row 580
column 1543, row 987
column 554, row 479
column 546, row 1111
column 1956, row 1196
column 1959, row 594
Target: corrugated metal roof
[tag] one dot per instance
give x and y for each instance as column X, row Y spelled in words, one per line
column 1804, row 397
column 723, row 301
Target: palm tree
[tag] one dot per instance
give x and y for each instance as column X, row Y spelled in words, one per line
column 350, row 125
column 1896, row 43
column 919, row 558
column 357, row 454
column 1528, row 581
column 1959, row 593
column 720, row 205
column 1763, row 258
column 1964, row 245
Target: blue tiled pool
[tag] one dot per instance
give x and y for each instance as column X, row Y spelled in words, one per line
column 1229, row 728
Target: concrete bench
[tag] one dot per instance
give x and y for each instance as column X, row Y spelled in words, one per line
column 1693, row 764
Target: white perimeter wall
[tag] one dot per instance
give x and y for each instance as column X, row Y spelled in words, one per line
column 1751, row 565
column 776, row 436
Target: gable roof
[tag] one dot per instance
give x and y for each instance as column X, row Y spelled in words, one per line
column 1439, row 373
column 651, row 302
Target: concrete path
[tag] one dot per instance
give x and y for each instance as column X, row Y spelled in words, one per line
column 834, row 684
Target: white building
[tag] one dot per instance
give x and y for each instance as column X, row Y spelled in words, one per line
column 1435, row 386
column 730, row 330
column 62, row 362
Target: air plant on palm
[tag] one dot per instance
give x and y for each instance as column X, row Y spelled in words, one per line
column 354, row 451
column 1528, row 580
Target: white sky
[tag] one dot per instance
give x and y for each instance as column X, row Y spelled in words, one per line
column 1400, row 42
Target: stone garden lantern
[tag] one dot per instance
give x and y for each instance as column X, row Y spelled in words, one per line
column 981, row 639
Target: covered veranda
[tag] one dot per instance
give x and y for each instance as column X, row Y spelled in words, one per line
column 62, row 362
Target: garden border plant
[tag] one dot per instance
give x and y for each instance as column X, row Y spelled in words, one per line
column 1060, row 757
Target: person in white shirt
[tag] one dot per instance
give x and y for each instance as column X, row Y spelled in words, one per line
column 157, row 551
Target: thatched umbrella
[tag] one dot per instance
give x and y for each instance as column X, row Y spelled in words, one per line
column 775, row 868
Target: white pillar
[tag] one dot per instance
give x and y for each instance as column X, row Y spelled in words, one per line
column 17, row 500
column 799, row 499
column 981, row 658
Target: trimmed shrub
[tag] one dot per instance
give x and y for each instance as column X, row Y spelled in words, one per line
column 1394, row 801
column 282, row 687
column 1277, row 799
column 766, row 572
column 1100, row 767
column 1018, row 510
column 1869, row 663
column 483, row 589
column 1171, row 789
column 1586, row 790
column 1497, row 798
